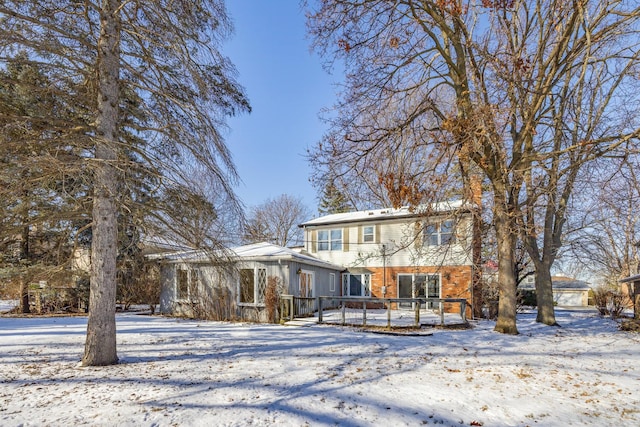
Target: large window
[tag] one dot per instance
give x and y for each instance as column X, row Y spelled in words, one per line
column 418, row 286
column 252, row 286
column 356, row 285
column 330, row 240
column 187, row 283
column 440, row 233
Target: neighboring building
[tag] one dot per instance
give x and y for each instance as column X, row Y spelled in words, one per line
column 430, row 251
column 196, row 284
column 567, row 292
column 630, row 286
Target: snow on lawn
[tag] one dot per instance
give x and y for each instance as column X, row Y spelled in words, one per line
column 194, row 373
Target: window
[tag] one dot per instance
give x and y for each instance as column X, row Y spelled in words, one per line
column 368, row 234
column 441, row 233
column 332, row 282
column 330, row 240
column 356, row 285
column 186, row 283
column 253, row 284
column 418, row 286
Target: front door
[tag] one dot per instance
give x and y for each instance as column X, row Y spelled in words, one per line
column 306, row 284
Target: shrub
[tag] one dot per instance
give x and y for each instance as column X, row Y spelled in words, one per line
column 609, row 302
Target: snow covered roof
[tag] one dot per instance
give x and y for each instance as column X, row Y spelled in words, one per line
column 263, row 251
column 634, row 278
column 159, row 244
column 386, row 214
column 560, row 282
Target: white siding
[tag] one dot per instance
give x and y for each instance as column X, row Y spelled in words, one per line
column 401, row 245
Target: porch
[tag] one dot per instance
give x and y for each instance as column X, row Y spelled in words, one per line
column 378, row 312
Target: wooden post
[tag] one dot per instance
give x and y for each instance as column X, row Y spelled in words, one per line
column 388, row 314
column 364, row 313
column 344, row 308
column 319, row 309
column 417, row 317
column 441, row 305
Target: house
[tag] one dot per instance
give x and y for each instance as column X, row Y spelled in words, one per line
column 237, row 284
column 631, row 288
column 567, row 292
column 428, row 251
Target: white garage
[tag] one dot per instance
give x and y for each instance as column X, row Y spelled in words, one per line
column 567, row 292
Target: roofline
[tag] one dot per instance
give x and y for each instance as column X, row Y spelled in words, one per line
column 634, row 278
column 197, row 257
column 384, row 218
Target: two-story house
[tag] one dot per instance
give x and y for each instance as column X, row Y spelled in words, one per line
column 429, row 251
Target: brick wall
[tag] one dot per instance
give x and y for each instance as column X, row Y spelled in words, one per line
column 455, row 282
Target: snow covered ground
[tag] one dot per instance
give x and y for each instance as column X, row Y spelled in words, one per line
column 193, row 373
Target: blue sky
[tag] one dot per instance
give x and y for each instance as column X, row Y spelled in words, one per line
column 287, row 88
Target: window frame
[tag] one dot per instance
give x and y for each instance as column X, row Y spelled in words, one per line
column 368, row 237
column 441, row 233
column 192, row 282
column 327, row 242
column 259, row 283
column 332, row 282
column 365, row 285
column 431, row 281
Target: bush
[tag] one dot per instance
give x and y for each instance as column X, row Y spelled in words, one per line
column 610, row 302
column 272, row 299
column 632, row 325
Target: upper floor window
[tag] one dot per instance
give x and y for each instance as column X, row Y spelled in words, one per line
column 368, row 234
column 439, row 233
column 330, row 240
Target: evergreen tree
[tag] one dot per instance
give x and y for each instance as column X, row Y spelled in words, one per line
column 169, row 57
column 333, row 200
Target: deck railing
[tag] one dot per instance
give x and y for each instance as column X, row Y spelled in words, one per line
column 292, row 306
column 418, row 306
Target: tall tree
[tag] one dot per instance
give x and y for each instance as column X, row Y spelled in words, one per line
column 276, row 221
column 333, row 200
column 168, row 54
column 473, row 85
column 585, row 117
column 40, row 199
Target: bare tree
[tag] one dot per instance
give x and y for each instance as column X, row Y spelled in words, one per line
column 605, row 242
column 168, row 56
column 276, row 221
column 472, row 85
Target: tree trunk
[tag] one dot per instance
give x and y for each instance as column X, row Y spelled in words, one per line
column 506, row 241
column 100, row 345
column 24, row 296
column 544, row 294
column 24, row 257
